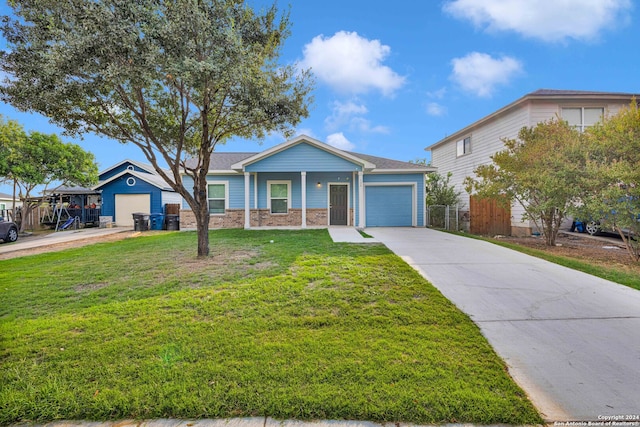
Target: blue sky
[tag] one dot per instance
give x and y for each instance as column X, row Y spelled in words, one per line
column 395, row 77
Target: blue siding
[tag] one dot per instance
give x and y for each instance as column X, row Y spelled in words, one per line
column 303, row 157
column 317, row 197
column 389, row 206
column 235, row 185
column 119, row 186
column 112, row 172
column 295, row 179
column 187, row 182
column 236, row 191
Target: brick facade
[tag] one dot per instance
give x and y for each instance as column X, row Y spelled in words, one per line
column 234, row 218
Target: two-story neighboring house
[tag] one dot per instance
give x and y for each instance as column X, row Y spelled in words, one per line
column 464, row 150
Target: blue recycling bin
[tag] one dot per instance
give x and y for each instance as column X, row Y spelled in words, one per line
column 156, row 220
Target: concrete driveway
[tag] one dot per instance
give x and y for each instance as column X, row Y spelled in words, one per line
column 570, row 340
column 52, row 239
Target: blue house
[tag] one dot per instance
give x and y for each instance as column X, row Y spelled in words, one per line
column 306, row 183
column 129, row 187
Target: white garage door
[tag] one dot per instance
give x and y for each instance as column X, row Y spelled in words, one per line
column 128, row 204
column 389, row 206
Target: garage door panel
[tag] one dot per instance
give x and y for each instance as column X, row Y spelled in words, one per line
column 389, row 206
column 127, row 205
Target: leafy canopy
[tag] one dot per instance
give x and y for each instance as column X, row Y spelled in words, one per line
column 612, row 175
column 540, row 170
column 174, row 77
column 36, row 159
column 440, row 191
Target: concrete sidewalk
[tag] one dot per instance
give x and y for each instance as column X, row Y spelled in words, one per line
column 349, row 235
column 570, row 340
column 230, row 422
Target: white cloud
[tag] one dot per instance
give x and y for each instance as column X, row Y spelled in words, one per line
column 343, row 112
column 479, row 73
column 350, row 63
column 350, row 114
column 338, row 140
column 364, row 125
column 435, row 109
column 541, row 19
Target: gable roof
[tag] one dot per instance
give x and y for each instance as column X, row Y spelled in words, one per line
column 297, row 140
column 143, row 166
column 152, row 179
column 540, row 94
column 234, row 162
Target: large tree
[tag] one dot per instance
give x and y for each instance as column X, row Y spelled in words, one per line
column 541, row 170
column 174, row 77
column 611, row 188
column 34, row 160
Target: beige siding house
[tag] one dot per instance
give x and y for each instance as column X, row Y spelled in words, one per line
column 464, row 150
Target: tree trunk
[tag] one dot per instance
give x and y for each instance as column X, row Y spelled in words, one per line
column 202, row 219
column 202, row 223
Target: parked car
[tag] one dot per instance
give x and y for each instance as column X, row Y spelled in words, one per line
column 8, row 231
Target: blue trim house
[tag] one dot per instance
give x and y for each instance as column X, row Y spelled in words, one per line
column 306, row 183
column 129, row 187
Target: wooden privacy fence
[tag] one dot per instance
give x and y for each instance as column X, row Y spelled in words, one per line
column 489, row 217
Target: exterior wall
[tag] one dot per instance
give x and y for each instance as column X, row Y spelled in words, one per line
column 302, row 157
column 234, row 218
column 317, row 190
column 169, row 197
column 120, row 186
column 487, row 140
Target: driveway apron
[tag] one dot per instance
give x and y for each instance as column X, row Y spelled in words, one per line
column 570, row 340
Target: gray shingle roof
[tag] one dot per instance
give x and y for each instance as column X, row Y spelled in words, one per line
column 384, row 163
column 222, row 161
column 560, row 92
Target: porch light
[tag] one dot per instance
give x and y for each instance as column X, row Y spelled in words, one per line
column 319, row 184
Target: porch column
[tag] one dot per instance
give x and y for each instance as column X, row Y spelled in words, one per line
column 247, row 200
column 361, row 221
column 255, row 190
column 303, row 183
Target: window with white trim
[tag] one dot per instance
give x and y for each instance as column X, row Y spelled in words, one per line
column 217, row 197
column 279, row 196
column 463, row 147
column 581, row 118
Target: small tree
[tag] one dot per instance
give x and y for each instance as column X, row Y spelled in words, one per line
column 612, row 180
column 440, row 192
column 540, row 170
column 35, row 159
column 174, row 77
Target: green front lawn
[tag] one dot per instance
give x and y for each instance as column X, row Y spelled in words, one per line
column 300, row 328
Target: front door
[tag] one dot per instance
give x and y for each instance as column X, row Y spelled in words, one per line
column 338, row 204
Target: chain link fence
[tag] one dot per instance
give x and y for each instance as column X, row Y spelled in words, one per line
column 443, row 217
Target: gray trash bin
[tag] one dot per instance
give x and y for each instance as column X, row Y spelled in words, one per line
column 140, row 221
column 173, row 222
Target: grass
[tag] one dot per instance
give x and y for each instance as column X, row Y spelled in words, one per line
column 365, row 235
column 301, row 328
column 613, row 273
